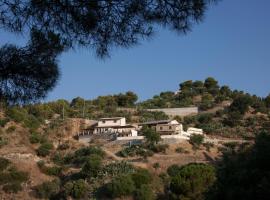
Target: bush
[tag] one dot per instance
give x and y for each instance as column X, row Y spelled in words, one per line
column 192, row 181
column 140, row 177
column 4, row 163
column 180, row 150
column 58, row 159
column 151, row 136
column 17, row 114
column 48, row 189
column 117, row 168
column 51, row 171
column 120, row 186
column 135, row 150
column 144, row 193
column 63, row 146
column 92, row 166
column 196, row 140
column 159, row 148
column 12, row 188
column 11, row 129
column 156, row 165
column 173, row 170
column 44, row 149
column 3, row 122
column 77, row 189
column 82, row 155
column 36, row 138
column 11, row 178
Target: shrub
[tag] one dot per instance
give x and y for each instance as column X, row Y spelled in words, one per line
column 141, row 176
column 135, row 150
column 63, row 146
column 36, row 138
column 156, row 165
column 51, row 171
column 180, row 150
column 48, row 189
column 77, row 189
column 144, row 193
column 92, row 166
column 196, row 140
column 12, row 188
column 82, row 155
column 192, row 181
column 173, row 170
column 11, row 129
column 12, row 179
column 151, row 136
column 44, row 149
column 160, row 148
column 4, row 163
column 117, row 168
column 58, row 159
column 32, row 123
column 17, row 176
column 3, row 122
column 120, row 186
column 17, row 114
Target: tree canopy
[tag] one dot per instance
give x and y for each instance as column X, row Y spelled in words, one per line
column 97, row 24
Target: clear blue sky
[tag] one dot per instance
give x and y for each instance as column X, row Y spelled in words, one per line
column 232, row 45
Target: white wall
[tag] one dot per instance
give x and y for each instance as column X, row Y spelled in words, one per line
column 112, row 122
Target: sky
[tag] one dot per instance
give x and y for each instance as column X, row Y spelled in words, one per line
column 232, row 44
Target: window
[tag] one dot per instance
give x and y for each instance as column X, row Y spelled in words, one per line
column 170, row 127
column 103, row 121
column 160, row 128
column 114, row 121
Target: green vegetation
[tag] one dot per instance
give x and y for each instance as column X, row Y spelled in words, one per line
column 180, row 150
column 77, row 189
column 243, row 166
column 145, row 192
column 48, row 189
column 36, row 137
column 141, row 177
column 244, row 172
column 51, row 171
column 120, row 186
column 92, row 166
column 151, row 136
column 3, row 122
column 191, row 181
column 44, row 149
column 196, row 140
column 10, row 178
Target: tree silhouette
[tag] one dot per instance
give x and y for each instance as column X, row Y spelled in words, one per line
column 97, row 24
column 28, row 73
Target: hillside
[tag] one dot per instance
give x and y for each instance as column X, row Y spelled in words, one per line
column 41, row 158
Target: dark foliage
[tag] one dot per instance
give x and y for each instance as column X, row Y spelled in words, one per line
column 120, row 186
column 101, row 24
column 141, row 177
column 191, row 181
column 244, row 174
column 28, row 73
column 48, row 189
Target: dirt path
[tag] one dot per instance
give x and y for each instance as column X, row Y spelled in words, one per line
column 112, row 155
